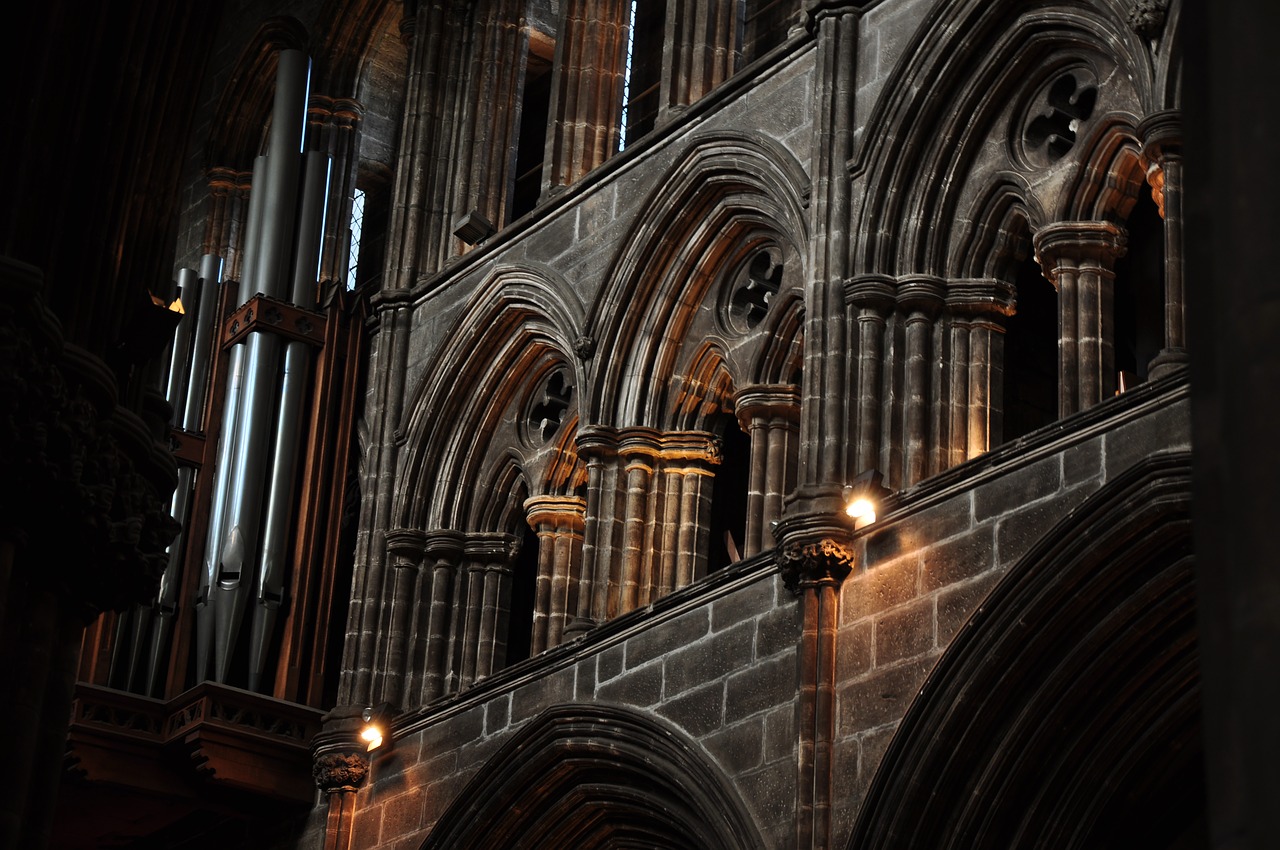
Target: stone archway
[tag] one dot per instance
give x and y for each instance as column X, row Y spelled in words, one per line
column 1066, row 713
column 591, row 778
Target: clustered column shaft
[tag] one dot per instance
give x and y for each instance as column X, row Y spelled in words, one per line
column 586, row 89
column 1162, row 148
column 1078, row 258
column 559, row 521
column 771, row 415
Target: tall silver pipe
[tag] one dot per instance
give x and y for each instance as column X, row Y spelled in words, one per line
column 167, row 599
column 275, row 190
column 284, row 148
column 245, row 493
column 253, row 231
column 311, row 220
column 202, row 341
column 206, row 599
column 180, row 362
column 297, row 361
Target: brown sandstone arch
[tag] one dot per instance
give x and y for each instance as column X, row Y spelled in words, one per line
column 592, row 778
column 1066, row 712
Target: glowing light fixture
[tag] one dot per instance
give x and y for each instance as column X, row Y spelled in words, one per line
column 374, row 732
column 862, row 498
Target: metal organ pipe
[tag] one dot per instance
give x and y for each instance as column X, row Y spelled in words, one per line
column 201, row 302
column 238, row 541
column 205, row 597
column 179, row 362
column 297, row 361
column 201, row 350
column 288, row 121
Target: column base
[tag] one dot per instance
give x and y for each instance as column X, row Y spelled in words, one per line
column 1168, row 361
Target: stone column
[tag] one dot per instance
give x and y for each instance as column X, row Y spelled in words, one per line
column 486, row 160
column 339, row 765
column 433, row 616
column 559, row 522
column 228, row 209
column 1161, row 135
column 404, row 554
column 974, row 406
column 1078, row 258
column 771, row 415
column 812, row 535
column 921, row 297
column 334, row 128
column 692, row 456
column 598, row 448
column 494, row 556
column 872, row 299
column 586, row 89
column 638, row 450
column 700, row 51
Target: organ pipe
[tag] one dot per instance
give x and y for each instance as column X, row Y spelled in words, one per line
column 297, row 357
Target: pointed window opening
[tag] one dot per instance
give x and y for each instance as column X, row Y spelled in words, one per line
column 1031, row 355
column 729, row 496
column 642, row 71
column 357, row 230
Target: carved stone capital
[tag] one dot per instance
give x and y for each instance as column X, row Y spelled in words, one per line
column 339, row 771
column 492, row 549
column 556, row 513
column 922, row 294
column 874, row 292
column 985, row 297
column 1147, row 17
column 338, row 758
column 405, row 546
column 781, row 401
column 808, row 563
column 814, row 546
column 1079, row 244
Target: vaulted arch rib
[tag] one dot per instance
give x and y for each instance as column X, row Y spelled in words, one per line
column 1069, row 698
column 593, row 778
column 726, row 189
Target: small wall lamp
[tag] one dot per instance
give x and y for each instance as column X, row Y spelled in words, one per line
column 863, row 496
column 377, row 726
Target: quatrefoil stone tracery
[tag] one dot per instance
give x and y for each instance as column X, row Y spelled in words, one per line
column 1057, row 115
column 752, row 291
column 547, row 408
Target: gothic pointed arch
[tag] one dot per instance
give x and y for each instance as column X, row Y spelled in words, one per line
column 705, row 388
column 593, row 777
column 521, row 322
column 1066, row 712
column 731, row 199
column 996, row 234
column 1107, row 187
column 960, row 113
